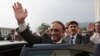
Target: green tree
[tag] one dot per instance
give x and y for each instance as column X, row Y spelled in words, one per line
column 84, row 29
column 43, row 27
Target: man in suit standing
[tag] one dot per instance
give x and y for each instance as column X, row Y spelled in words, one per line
column 11, row 36
column 95, row 38
column 74, row 37
column 56, row 29
column 1, row 38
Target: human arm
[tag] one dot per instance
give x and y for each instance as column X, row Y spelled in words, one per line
column 20, row 15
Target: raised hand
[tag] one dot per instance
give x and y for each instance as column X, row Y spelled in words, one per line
column 20, row 13
column 90, row 27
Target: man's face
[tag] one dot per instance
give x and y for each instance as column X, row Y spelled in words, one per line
column 97, row 27
column 72, row 28
column 56, row 32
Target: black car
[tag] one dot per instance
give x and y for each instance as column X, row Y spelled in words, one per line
column 11, row 48
column 22, row 49
column 57, row 50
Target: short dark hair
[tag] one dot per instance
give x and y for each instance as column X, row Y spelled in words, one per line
column 66, row 25
column 72, row 22
column 12, row 29
column 98, row 22
column 58, row 22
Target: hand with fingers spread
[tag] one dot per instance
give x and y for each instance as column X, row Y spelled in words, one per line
column 20, row 13
column 90, row 27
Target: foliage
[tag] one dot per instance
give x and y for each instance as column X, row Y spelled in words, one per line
column 84, row 29
column 43, row 27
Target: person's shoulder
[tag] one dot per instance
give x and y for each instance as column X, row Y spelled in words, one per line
column 79, row 36
column 9, row 34
column 66, row 37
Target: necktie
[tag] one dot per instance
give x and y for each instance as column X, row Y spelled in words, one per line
column 72, row 40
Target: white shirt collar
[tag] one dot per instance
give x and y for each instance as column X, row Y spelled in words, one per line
column 74, row 39
column 74, row 36
column 59, row 42
column 95, row 38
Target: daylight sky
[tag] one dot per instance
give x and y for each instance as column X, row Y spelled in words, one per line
column 46, row 11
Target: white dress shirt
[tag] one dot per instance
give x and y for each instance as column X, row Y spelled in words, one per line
column 59, row 42
column 74, row 39
column 22, row 27
column 95, row 38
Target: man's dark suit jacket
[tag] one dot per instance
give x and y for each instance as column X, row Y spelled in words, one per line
column 1, row 38
column 33, row 39
column 79, row 39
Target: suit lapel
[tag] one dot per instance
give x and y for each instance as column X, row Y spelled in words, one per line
column 66, row 40
column 78, row 39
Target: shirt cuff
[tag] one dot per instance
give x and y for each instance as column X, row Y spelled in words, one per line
column 22, row 27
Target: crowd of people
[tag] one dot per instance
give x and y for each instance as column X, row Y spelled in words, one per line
column 11, row 36
column 57, row 33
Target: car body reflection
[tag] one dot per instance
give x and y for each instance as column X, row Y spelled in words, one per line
column 8, row 48
column 57, row 50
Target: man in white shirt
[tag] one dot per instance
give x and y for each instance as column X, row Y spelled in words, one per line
column 56, row 30
column 95, row 38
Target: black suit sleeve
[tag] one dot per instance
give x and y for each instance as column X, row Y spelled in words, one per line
column 29, row 37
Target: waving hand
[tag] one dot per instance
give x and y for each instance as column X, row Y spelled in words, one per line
column 20, row 13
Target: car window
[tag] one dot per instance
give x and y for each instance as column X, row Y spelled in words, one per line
column 56, row 53
column 55, row 50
